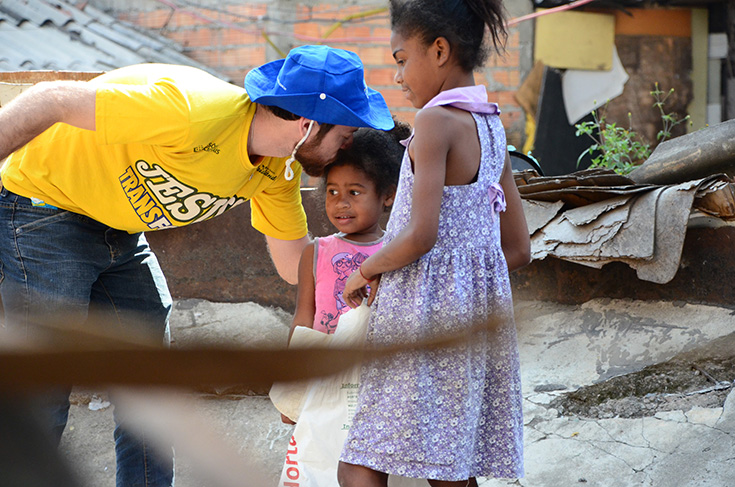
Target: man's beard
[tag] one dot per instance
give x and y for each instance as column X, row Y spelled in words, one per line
column 311, row 162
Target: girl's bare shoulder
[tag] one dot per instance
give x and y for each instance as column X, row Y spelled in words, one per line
column 443, row 123
column 441, row 117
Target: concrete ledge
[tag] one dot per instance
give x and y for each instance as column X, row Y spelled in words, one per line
column 704, row 276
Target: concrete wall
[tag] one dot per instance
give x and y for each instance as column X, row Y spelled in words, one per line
column 225, row 260
column 704, row 276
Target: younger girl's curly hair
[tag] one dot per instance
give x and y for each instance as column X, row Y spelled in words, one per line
column 376, row 153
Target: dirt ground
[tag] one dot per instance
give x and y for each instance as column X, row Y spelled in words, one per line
column 589, row 431
column 699, row 378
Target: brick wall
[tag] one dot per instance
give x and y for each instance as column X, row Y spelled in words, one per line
column 233, row 37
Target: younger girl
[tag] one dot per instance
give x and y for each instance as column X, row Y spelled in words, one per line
column 446, row 415
column 360, row 186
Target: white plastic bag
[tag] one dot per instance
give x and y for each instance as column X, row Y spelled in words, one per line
column 328, row 406
column 288, row 397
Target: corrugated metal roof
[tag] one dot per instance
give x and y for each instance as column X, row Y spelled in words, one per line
column 56, row 35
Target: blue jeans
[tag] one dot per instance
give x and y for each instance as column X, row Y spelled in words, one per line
column 59, row 267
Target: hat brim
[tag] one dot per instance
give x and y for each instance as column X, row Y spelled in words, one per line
column 261, row 85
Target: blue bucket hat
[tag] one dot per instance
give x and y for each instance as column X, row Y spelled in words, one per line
column 320, row 83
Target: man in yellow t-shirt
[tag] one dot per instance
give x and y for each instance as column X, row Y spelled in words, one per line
column 93, row 165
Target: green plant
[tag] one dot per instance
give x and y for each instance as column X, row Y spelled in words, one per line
column 670, row 120
column 617, row 148
column 621, row 149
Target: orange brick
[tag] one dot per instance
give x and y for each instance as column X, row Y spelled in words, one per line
column 347, row 46
column 136, row 18
column 327, row 11
column 352, row 30
column 304, row 11
column 384, row 45
column 214, row 15
column 352, row 10
column 381, row 31
column 155, row 19
column 515, row 79
column 394, row 98
column 504, row 98
column 480, row 78
column 380, row 76
column 209, row 57
column 328, row 31
column 405, row 115
column 142, row 19
column 178, row 36
column 511, row 59
column 242, row 56
column 371, row 56
column 231, row 36
column 201, row 37
column 182, row 19
column 514, row 38
column 320, row 8
column 510, row 116
column 307, row 29
column 508, row 78
column 248, row 10
column 388, row 57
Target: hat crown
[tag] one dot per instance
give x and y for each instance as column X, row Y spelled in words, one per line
column 320, row 69
column 320, row 83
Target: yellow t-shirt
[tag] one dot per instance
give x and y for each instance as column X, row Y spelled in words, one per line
column 169, row 149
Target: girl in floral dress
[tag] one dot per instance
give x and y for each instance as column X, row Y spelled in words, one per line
column 456, row 231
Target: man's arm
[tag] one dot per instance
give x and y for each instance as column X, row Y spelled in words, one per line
column 286, row 255
column 41, row 106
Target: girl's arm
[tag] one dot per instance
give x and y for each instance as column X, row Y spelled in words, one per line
column 305, row 301
column 514, row 236
column 428, row 150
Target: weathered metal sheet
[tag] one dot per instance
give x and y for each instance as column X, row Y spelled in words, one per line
column 539, row 213
column 644, row 230
column 696, row 155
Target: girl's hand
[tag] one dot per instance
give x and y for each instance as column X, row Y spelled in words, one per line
column 356, row 290
column 374, row 289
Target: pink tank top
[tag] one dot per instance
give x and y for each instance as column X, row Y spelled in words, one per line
column 335, row 258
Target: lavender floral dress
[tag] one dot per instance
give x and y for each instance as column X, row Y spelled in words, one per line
column 446, row 414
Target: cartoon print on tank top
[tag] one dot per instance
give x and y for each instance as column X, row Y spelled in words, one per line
column 343, row 264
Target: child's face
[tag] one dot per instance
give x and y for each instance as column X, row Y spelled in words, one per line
column 352, row 203
column 415, row 71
